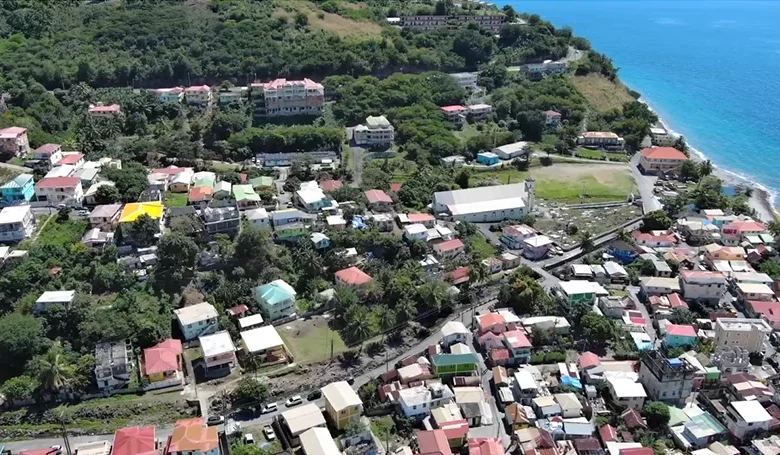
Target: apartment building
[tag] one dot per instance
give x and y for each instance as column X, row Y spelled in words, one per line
column 479, row 112
column 537, row 71
column 342, row 404
column 198, row 95
column 280, row 98
column 418, row 401
column 661, row 160
column 60, row 190
column 377, row 132
column 14, row 140
column 604, row 139
column 48, row 154
column 232, row 94
column 169, row 95
column 197, row 320
column 733, row 233
column 747, row 418
column 668, row 380
column 743, row 332
column 16, row 223
column 455, row 114
column 101, row 111
column 491, row 22
column 466, row 80
column 702, row 285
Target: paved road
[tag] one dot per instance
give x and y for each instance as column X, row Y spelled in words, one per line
column 632, row 292
column 645, row 183
column 357, row 162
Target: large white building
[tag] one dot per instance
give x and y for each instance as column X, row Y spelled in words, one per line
column 16, row 223
column 282, row 97
column 702, row 285
column 466, row 80
column 375, row 133
column 743, row 332
column 487, row 203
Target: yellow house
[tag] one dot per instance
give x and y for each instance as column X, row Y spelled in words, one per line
column 342, row 404
column 132, row 211
column 163, row 362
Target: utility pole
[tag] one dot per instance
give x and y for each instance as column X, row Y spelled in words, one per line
column 64, row 433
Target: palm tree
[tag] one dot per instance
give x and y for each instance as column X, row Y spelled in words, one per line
column 405, row 310
column 434, row 295
column 586, row 241
column 705, row 168
column 479, row 272
column 359, row 329
column 623, row 235
column 54, row 372
column 387, row 320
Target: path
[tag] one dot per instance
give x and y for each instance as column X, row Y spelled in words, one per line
column 17, row 168
column 357, row 162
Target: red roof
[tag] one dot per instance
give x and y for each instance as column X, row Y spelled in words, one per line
column 455, row 429
column 491, row 319
column 633, row 419
column 499, row 354
column 420, row 217
column 650, row 238
column 459, row 275
column 200, row 193
column 608, row 433
column 163, row 357
column 238, row 309
column 637, row 321
column 769, row 310
column 587, row 444
column 637, row 451
column 59, row 182
column 193, row 435
column 170, row 170
column 396, row 187
column 109, row 108
column 741, row 226
column 433, row 442
column 517, row 339
column 486, row 446
column 47, row 149
column 134, row 441
column 353, row 276
column 449, row 245
column 664, row 153
column 454, row 108
column 681, row 330
column 72, row 158
column 675, row 301
column 376, row 196
column 330, row 185
column 589, row 359
column 197, row 88
column 15, row 130
column 553, row 113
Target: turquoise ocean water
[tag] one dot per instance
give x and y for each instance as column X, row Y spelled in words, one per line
column 710, row 69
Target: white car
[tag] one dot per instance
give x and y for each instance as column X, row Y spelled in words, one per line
column 269, row 407
column 293, row 401
column 249, row 439
column 269, row 433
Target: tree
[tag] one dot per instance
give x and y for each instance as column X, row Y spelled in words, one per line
column 387, row 320
column 53, row 369
column 586, row 241
column 657, row 415
column 463, row 178
column 249, row 390
column 358, row 324
column 21, row 339
column 405, row 310
column 176, row 256
column 597, row 328
column 689, row 171
column 479, row 271
column 705, row 168
column 107, row 194
column 657, row 220
column 682, row 316
column 143, row 230
column 19, row 388
column 681, row 145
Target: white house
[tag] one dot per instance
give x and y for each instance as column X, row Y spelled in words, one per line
column 60, row 190
column 16, row 223
column 198, row 94
column 511, row 151
column 258, row 218
column 49, row 298
column 626, row 392
column 418, row 401
column 376, row 132
column 414, row 232
column 745, row 418
column 454, row 332
column 197, row 320
column 702, row 285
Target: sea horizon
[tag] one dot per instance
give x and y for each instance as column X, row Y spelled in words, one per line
column 706, row 67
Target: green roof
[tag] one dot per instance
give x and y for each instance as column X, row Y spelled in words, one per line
column 443, row 360
column 261, row 181
column 274, row 292
column 377, row 121
column 18, row 182
column 204, row 181
column 245, row 193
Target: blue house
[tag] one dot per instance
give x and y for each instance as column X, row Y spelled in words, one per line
column 320, row 240
column 20, row 189
column 623, row 252
column 680, row 335
column 287, row 216
column 488, row 158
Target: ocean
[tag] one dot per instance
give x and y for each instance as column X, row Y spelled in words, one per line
column 710, row 69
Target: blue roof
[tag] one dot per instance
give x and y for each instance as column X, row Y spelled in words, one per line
column 274, row 292
column 570, row 381
column 18, row 182
column 358, row 223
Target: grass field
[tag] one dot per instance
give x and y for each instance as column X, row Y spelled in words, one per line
column 571, row 183
column 467, row 132
column 62, row 233
column 481, row 244
column 602, row 93
column 175, row 199
column 320, row 20
column 224, row 167
column 310, row 340
column 598, row 154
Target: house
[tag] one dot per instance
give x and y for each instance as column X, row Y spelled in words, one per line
column 113, row 365
column 735, row 232
column 318, row 441
column 60, row 171
column 478, row 112
column 291, row 232
column 169, row 95
column 72, row 159
column 455, row 114
column 746, row 333
column 659, row 286
column 288, row 216
column 219, row 353
column 232, row 94
column 200, row 194
column 379, row 200
column 454, row 364
column 622, row 251
column 668, row 380
column 101, row 111
column 577, row 291
column 283, row 98
column 570, row 405
column 265, row 345
column 162, row 362
column 336, row 222
column 454, row 332
column 516, row 416
column 487, row 22
column 487, row 203
column 518, row 345
column 426, row 219
column 513, row 150
column 490, row 322
column 768, row 311
column 746, row 418
column 603, row 139
column 47, row 156
column 342, row 404
column 418, row 401
column 493, row 265
column 258, row 218
column 352, row 276
column 377, row 132
column 680, row 335
column 415, row 232
column 16, row 223
column 20, row 189
column 246, row 322
column 488, row 158
column 539, row 70
column 755, row 291
column 276, row 299
column 134, row 210
column 653, row 239
column 702, row 285
column 312, row 199
column 555, row 324
column 537, row 247
column 509, row 261
column 382, row 221
column 546, row 407
column 105, row 217
column 449, row 249
column 14, row 140
column 588, row 446
column 60, row 190
column 301, row 419
column 633, row 420
column 453, row 161
column 433, row 442
column 51, row 298
column 198, row 94
column 661, row 160
column 466, row 80
column 263, row 181
column 134, row 441
column 320, row 240
column 246, row 197
column 552, row 118
column 197, row 320
column 514, row 235
column 616, row 272
column 331, row 185
column 193, row 437
column 180, row 182
column 95, row 238
column 221, row 220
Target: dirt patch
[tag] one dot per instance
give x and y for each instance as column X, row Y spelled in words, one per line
column 595, row 221
column 320, row 20
column 602, row 93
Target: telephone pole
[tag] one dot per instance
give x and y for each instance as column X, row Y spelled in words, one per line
column 64, row 433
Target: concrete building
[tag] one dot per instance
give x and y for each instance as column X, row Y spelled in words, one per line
column 661, row 137
column 604, row 139
column 377, row 132
column 258, row 218
column 219, row 353
column 105, row 217
column 702, row 285
column 746, row 418
column 668, row 380
column 169, row 95
column 282, row 98
column 14, row 140
column 101, row 111
column 661, row 160
column 192, row 437
column 18, row 190
column 114, row 365
column 265, row 345
column 301, row 419
column 51, row 298
column 488, row 158
column 746, row 333
column 455, row 114
column 626, row 392
column 479, row 112
column 454, row 332
column 16, row 223
column 487, row 203
column 417, row 402
column 198, row 94
column 513, row 150
column 466, row 80
column 60, row 190
column 536, row 71
column 537, row 247
column 197, row 320
column 342, row 404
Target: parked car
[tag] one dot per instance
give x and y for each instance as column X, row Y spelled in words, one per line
column 269, row 433
column 269, row 407
column 249, row 439
column 313, row 395
column 215, row 420
column 293, row 401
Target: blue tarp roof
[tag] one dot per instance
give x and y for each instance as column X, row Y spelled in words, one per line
column 358, row 223
column 572, row 382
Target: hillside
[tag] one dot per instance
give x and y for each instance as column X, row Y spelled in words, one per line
column 602, row 93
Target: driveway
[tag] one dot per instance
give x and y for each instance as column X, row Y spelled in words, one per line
column 645, row 183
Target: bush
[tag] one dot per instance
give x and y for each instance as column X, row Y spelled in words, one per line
column 554, row 357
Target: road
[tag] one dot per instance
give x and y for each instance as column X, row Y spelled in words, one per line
column 16, row 168
column 645, row 183
column 632, row 292
column 357, row 162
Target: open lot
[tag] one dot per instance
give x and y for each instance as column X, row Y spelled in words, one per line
column 595, row 221
column 570, row 183
column 310, row 340
column 602, row 93
column 600, row 154
column 176, row 199
column 320, row 20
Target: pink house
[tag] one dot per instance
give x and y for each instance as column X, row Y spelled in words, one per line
column 379, row 200
column 654, row 240
column 101, row 111
column 352, row 276
column 14, row 140
column 449, row 249
column 455, row 114
column 734, row 232
column 552, row 118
